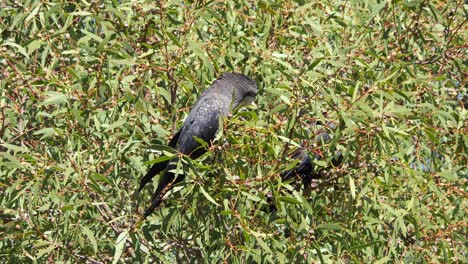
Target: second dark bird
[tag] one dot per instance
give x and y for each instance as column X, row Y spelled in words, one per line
column 227, row 93
column 305, row 168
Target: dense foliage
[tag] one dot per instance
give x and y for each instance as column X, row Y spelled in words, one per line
column 89, row 87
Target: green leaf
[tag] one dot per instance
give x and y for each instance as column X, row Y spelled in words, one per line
column 396, row 130
column 54, row 98
column 78, row 117
column 364, row 107
column 159, row 160
column 448, row 175
column 19, row 48
column 45, row 250
column 33, row 13
column 80, row 13
column 207, row 196
column 289, row 141
column 366, row 245
column 34, row 45
column 173, row 38
column 116, row 124
column 330, row 226
column 46, row 132
column 14, row 147
column 263, row 245
column 99, row 177
column 14, row 162
column 352, row 187
column 288, row 199
column 91, row 237
column 119, row 246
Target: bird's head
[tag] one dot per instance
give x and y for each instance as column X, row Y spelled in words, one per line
column 244, row 90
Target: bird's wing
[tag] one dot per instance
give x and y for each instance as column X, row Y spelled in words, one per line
column 202, row 122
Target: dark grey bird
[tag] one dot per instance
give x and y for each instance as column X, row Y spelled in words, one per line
column 225, row 95
column 305, row 168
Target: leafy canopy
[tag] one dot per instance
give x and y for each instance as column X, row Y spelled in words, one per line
column 89, row 87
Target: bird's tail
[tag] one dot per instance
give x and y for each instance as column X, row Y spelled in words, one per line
column 167, row 181
column 155, row 169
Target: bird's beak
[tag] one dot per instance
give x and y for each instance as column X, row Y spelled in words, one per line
column 248, row 100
